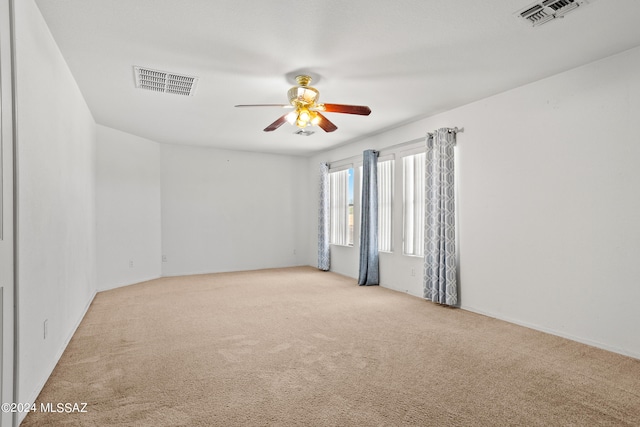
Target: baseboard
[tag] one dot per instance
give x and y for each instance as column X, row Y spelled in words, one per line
column 121, row 285
column 203, row 272
column 555, row 332
column 34, row 395
column 550, row 331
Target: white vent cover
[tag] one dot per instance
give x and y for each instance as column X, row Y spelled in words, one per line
column 545, row 11
column 163, row 81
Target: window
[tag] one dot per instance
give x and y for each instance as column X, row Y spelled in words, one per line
column 413, row 203
column 341, row 207
column 385, row 204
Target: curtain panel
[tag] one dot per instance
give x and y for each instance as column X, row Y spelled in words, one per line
column 440, row 269
column 324, row 262
column 369, row 271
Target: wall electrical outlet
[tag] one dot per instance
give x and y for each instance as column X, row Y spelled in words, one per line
column 130, row 263
column 46, row 328
column 164, row 258
column 413, row 272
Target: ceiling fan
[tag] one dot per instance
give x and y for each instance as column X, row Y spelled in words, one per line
column 303, row 99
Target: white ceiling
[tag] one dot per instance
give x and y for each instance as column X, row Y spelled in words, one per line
column 406, row 59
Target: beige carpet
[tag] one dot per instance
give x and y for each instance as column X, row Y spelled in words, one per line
column 303, row 347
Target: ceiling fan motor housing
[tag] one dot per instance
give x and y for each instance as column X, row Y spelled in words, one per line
column 303, row 96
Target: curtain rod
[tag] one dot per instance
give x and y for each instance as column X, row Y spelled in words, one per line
column 358, row 157
column 452, row 130
column 413, row 141
column 345, row 161
column 342, row 162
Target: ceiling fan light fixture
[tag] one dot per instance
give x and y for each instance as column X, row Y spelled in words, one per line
column 315, row 118
column 292, row 117
column 303, row 118
column 304, row 115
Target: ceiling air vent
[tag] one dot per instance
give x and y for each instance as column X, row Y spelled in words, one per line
column 163, row 81
column 544, row 11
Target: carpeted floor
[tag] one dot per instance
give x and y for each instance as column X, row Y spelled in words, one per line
column 302, row 347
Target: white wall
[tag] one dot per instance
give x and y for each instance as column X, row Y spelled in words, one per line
column 206, row 210
column 128, row 209
column 56, row 202
column 228, row 210
column 548, row 206
column 6, row 215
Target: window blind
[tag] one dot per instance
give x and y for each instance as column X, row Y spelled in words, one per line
column 339, row 207
column 413, row 170
column 385, row 204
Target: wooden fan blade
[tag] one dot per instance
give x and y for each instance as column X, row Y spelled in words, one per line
column 266, row 105
column 275, row 125
column 348, row 109
column 326, row 124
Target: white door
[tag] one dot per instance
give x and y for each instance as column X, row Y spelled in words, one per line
column 6, row 216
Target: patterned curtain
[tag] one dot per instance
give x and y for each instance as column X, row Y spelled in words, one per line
column 440, row 281
column 323, row 219
column 369, row 220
